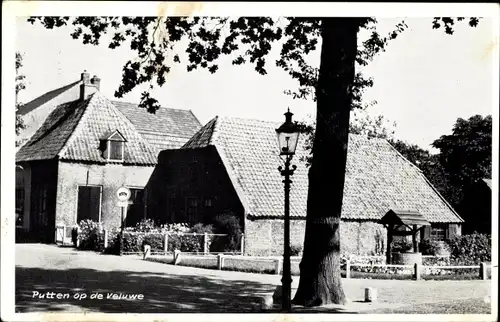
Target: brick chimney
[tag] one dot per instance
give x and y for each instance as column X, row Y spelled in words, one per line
column 96, row 81
column 86, row 87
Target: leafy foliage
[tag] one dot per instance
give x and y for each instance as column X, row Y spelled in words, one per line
column 401, row 246
column 428, row 246
column 448, row 23
column 295, row 250
column 229, row 224
column 466, row 153
column 470, row 249
column 20, row 85
column 88, row 234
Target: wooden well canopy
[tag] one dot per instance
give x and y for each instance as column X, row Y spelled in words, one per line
column 394, row 219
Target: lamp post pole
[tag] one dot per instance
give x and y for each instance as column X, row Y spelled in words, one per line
column 288, row 136
column 286, row 280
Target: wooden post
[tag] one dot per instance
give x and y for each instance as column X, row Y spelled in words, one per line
column 417, row 271
column 205, row 243
column 147, row 251
column 165, row 244
column 348, row 269
column 482, row 271
column 242, row 244
column 277, row 266
column 414, row 238
column 220, row 261
column 389, row 242
column 177, row 256
column 106, row 237
column 370, row 294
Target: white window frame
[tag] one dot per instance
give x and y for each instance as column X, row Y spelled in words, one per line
column 100, row 200
column 108, row 148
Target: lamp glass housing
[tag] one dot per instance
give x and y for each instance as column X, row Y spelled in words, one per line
column 288, row 136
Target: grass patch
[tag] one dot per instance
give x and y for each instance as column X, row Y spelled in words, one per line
column 467, row 306
column 379, row 276
column 451, row 277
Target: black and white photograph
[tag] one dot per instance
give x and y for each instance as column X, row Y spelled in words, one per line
column 312, row 161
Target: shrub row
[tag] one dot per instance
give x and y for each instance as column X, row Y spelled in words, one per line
column 91, row 236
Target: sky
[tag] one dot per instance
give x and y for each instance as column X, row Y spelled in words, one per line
column 423, row 82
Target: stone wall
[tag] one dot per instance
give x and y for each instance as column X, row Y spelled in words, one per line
column 264, row 237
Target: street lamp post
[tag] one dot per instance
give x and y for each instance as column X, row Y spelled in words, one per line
column 288, row 136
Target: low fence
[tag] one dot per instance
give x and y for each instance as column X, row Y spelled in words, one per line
column 277, row 266
column 167, row 243
column 417, row 270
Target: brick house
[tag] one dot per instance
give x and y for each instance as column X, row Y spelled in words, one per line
column 231, row 164
column 85, row 149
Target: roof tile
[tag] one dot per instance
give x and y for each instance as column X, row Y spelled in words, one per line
column 378, row 178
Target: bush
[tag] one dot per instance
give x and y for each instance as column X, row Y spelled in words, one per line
column 89, row 234
column 201, row 229
column 470, row 249
column 133, row 242
column 401, row 246
column 185, row 243
column 295, row 250
column 145, row 225
column 226, row 224
column 429, row 247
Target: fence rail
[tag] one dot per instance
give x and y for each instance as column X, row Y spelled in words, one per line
column 417, row 268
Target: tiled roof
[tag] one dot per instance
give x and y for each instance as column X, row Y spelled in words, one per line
column 378, row 178
column 73, row 131
column 166, row 129
column 36, row 111
column 50, row 138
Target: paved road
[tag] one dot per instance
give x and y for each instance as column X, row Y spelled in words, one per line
column 174, row 289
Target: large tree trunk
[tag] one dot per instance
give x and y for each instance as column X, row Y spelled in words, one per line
column 320, row 281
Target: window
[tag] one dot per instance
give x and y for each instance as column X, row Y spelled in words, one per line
column 137, row 206
column 89, row 203
column 438, row 232
column 115, row 150
column 113, row 146
column 208, row 202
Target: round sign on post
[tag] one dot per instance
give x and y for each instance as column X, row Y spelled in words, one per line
column 123, row 195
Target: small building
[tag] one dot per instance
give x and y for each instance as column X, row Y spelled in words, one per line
column 86, row 148
column 230, row 166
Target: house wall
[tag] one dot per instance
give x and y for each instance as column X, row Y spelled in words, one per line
column 191, row 181
column 110, row 177
column 264, row 237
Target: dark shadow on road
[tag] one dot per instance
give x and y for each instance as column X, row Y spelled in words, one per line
column 163, row 293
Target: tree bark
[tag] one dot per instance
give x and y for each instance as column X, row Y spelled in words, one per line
column 320, row 280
